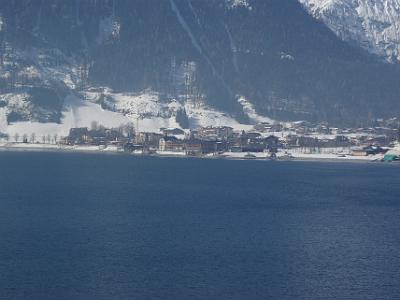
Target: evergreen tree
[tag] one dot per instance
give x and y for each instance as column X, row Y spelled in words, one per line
column 182, row 118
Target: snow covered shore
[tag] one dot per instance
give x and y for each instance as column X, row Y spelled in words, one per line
column 7, row 146
column 12, row 146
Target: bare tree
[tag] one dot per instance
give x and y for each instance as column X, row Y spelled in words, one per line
column 55, row 138
column 127, row 130
column 94, row 125
column 43, row 139
column 48, row 138
column 16, row 137
column 33, row 138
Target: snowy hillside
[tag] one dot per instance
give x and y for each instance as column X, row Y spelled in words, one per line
column 371, row 24
column 29, row 70
column 221, row 62
column 148, row 112
column 144, row 111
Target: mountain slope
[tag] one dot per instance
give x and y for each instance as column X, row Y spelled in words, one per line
column 371, row 24
column 271, row 52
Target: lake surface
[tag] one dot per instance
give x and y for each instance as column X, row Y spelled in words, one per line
column 83, row 226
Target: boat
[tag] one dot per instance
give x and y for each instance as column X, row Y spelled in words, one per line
column 287, row 155
column 250, row 156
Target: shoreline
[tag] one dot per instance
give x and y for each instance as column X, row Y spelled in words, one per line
column 20, row 147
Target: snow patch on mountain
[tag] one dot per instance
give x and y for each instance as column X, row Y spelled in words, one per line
column 238, row 3
column 80, row 113
column 286, row 56
column 40, row 67
column 373, row 25
column 251, row 113
column 201, row 115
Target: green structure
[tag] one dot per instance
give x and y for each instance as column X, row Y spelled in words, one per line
column 390, row 157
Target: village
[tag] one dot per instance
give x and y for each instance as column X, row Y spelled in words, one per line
column 297, row 140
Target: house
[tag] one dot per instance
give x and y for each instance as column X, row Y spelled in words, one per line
column 302, row 141
column 277, row 127
column 235, row 147
column 251, row 135
column 221, row 146
column 253, row 145
column 130, row 147
column 381, row 140
column 78, row 136
column 272, row 143
column 150, row 139
column 263, row 127
column 209, row 147
column 342, row 141
column 193, row 147
column 323, row 128
column 104, row 136
column 335, row 131
column 359, row 153
column 172, row 131
column 372, row 150
column 171, row 143
column 215, row 133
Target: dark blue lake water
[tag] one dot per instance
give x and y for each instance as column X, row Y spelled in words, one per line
column 80, row 226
